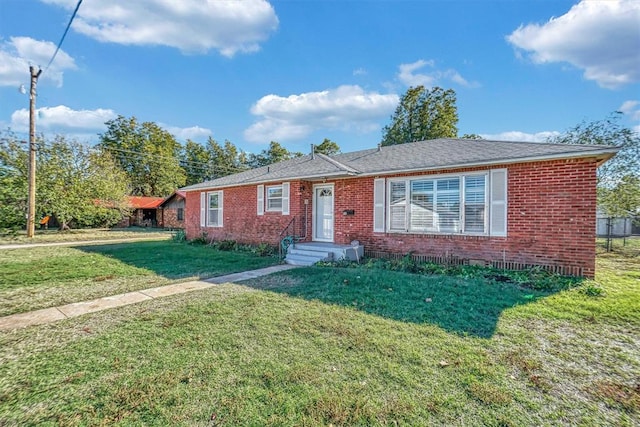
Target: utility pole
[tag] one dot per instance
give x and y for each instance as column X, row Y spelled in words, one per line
column 31, row 210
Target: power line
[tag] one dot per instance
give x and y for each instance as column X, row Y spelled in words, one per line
column 66, row 30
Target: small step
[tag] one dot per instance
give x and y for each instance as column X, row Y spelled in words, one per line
column 323, row 254
column 306, row 257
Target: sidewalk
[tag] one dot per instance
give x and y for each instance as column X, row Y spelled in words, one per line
column 53, row 314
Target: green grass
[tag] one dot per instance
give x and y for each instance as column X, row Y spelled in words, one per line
column 34, row 278
column 338, row 346
column 55, row 236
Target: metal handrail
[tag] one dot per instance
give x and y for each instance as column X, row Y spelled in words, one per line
column 285, row 232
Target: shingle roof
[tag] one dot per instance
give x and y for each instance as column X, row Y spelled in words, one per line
column 422, row 155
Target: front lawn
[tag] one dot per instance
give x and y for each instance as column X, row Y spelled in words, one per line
column 56, row 236
column 340, row 346
column 40, row 277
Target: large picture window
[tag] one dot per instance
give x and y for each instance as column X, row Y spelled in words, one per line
column 450, row 204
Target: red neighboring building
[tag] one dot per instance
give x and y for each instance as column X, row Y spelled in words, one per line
column 508, row 204
column 144, row 212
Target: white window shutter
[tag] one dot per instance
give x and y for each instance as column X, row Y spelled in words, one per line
column 220, row 208
column 203, row 209
column 378, row 205
column 260, row 199
column 285, row 198
column 498, row 203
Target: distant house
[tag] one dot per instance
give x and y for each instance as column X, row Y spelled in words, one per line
column 144, row 212
column 507, row 204
column 172, row 210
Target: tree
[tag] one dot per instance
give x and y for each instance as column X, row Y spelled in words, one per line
column 147, row 153
column 227, row 159
column 474, row 136
column 423, row 114
column 623, row 200
column 328, row 147
column 76, row 184
column 618, row 177
column 196, row 163
column 274, row 154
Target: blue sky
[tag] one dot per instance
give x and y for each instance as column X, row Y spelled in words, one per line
column 252, row 71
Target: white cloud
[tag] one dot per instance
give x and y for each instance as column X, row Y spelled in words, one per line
column 631, row 109
column 521, row 136
column 19, row 52
column 188, row 25
column 600, row 37
column 193, row 132
column 359, row 72
column 62, row 119
column 409, row 76
column 347, row 108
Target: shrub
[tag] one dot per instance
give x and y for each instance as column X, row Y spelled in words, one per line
column 203, row 239
column 227, row 245
column 264, row 249
column 179, row 236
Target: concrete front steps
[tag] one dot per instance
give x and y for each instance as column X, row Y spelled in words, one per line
column 306, row 254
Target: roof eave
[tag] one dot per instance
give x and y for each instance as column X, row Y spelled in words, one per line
column 281, row 179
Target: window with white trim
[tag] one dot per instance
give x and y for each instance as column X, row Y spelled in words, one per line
column 274, row 198
column 214, row 209
column 446, row 204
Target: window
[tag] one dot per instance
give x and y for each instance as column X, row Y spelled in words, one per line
column 180, row 214
column 274, row 199
column 451, row 204
column 214, row 209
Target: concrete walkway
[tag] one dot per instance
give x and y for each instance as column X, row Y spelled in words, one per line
column 52, row 314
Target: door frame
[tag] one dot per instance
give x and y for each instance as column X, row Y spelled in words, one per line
column 315, row 237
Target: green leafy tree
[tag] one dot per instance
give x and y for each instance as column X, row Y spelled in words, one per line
column 623, row 199
column 196, row 163
column 79, row 186
column 618, row 177
column 471, row 136
column 226, row 159
column 147, row 153
column 274, row 154
column 13, row 181
column 328, row 147
column 423, row 114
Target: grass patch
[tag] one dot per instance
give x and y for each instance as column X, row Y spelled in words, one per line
column 33, row 278
column 304, row 347
column 56, row 236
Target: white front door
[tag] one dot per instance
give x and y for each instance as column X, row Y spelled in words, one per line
column 323, row 213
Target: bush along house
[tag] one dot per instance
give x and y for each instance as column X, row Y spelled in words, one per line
column 508, row 204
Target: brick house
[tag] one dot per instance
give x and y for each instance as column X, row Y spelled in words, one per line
column 172, row 210
column 508, row 204
column 144, row 212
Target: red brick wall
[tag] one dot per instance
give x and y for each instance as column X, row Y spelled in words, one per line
column 241, row 221
column 170, row 218
column 551, row 219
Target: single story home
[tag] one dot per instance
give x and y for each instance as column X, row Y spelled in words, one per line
column 144, row 212
column 507, row 204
